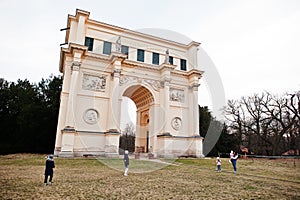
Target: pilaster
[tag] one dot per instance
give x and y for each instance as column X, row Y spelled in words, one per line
column 165, row 71
column 71, row 108
column 194, row 76
column 114, row 101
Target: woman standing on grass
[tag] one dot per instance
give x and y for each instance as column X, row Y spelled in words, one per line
column 126, row 162
column 233, row 158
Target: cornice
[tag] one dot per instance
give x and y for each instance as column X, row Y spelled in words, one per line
column 195, row 72
column 132, row 32
column 70, row 50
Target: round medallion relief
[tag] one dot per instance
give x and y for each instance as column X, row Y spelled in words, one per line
column 176, row 123
column 91, row 116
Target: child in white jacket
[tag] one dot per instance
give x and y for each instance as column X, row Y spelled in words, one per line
column 218, row 162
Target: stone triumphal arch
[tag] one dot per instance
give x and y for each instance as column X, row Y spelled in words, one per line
column 101, row 63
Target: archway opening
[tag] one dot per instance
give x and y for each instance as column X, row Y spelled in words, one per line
column 143, row 100
column 127, row 125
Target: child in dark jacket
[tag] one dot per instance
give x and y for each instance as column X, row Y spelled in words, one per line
column 49, row 170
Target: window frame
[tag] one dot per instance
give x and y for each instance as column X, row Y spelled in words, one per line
column 89, row 42
column 127, row 50
column 155, row 60
column 171, row 58
column 106, row 51
column 140, row 52
column 183, row 65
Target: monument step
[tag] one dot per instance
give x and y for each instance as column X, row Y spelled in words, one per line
column 144, row 155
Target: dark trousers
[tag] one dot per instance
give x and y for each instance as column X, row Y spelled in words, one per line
column 46, row 177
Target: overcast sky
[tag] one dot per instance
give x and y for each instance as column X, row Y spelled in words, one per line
column 254, row 44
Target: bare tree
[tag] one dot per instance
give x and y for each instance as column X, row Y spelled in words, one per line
column 266, row 123
column 294, row 107
column 127, row 139
column 281, row 120
column 234, row 114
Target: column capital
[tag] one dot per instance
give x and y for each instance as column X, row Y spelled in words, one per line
column 116, row 73
column 194, row 86
column 75, row 66
column 165, row 82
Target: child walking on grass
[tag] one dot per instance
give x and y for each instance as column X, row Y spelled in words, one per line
column 218, row 162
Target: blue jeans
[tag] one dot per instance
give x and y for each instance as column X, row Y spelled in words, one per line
column 233, row 161
column 219, row 167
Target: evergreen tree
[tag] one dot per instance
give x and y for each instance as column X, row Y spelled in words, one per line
column 28, row 115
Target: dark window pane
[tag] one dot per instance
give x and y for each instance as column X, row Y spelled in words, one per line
column 89, row 42
column 107, row 48
column 124, row 50
column 183, row 64
column 171, row 60
column 155, row 58
column 140, row 55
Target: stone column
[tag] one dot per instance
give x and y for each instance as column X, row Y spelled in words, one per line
column 165, row 70
column 114, row 115
column 115, row 102
column 155, row 126
column 166, row 105
column 195, row 109
column 113, row 134
column 71, row 108
column 138, row 131
column 194, row 77
column 69, row 131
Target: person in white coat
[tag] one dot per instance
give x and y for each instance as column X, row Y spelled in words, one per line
column 233, row 158
column 126, row 163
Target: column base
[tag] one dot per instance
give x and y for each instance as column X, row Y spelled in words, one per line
column 169, row 146
column 66, row 154
column 111, row 155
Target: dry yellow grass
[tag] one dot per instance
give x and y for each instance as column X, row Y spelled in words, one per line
column 21, row 177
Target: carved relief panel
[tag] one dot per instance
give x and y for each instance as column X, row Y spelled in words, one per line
column 176, row 123
column 176, row 95
column 94, row 83
column 91, row 116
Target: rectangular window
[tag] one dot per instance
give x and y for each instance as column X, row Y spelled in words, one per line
column 155, row 58
column 107, row 48
column 89, row 42
column 171, row 60
column 124, row 50
column 140, row 55
column 183, row 64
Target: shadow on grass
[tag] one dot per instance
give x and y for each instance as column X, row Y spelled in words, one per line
column 206, row 164
column 260, row 177
column 136, row 165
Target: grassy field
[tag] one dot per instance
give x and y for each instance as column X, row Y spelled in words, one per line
column 21, row 177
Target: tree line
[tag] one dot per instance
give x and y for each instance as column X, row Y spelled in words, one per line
column 28, row 115
column 265, row 124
